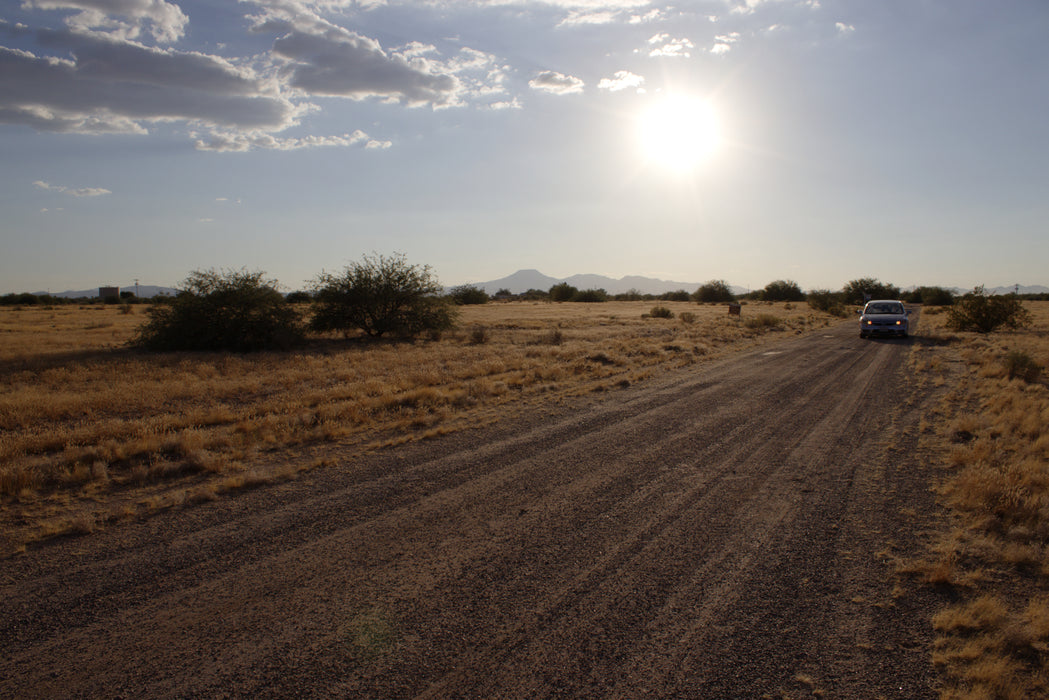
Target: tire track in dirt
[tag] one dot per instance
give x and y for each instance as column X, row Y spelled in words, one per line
column 681, row 538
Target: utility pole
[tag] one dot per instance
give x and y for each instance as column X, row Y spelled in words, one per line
column 136, row 287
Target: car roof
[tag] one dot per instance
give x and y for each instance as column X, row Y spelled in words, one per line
column 884, row 301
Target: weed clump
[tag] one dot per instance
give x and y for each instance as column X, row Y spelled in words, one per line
column 661, row 312
column 763, row 322
column 1020, row 365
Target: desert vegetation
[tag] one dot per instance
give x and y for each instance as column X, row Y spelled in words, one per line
column 381, row 295
column 991, row 437
column 223, row 310
column 93, row 429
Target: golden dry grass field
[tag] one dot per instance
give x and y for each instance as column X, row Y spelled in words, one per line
column 989, row 446
column 93, row 431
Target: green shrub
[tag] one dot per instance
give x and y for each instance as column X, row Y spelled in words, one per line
column 467, row 294
column 381, row 295
column 827, row 301
column 930, row 296
column 782, row 290
column 978, row 312
column 714, row 291
column 630, row 295
column 534, row 295
column 590, row 295
column 858, row 291
column 222, row 310
column 562, row 292
column 661, row 312
column 679, row 295
column 1020, row 365
column 299, row 297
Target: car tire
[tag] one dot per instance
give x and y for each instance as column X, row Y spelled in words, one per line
column 863, row 335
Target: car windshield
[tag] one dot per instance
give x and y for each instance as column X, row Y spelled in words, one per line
column 884, row 309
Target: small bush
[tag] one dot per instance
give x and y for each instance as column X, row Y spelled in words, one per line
column 687, row 317
column 978, row 312
column 223, row 310
column 478, row 335
column 661, row 312
column 1020, row 365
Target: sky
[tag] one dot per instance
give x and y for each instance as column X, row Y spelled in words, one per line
column 817, row 141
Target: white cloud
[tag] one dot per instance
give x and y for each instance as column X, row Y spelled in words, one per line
column 317, row 57
column 589, row 17
column 71, row 191
column 670, row 47
column 844, row 28
column 124, row 19
column 650, row 16
column 556, row 83
column 621, row 80
column 505, row 104
column 747, row 7
column 109, row 86
column 97, row 80
column 248, row 141
column 723, row 43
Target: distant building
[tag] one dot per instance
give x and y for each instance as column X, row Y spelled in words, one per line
column 109, row 293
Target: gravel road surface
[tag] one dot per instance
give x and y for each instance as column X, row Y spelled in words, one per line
column 721, row 531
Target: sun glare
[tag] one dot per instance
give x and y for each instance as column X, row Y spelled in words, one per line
column 678, row 132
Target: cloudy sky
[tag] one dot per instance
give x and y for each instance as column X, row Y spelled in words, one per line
column 745, row 140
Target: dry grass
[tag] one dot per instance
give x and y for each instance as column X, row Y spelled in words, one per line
column 991, row 433
column 85, row 421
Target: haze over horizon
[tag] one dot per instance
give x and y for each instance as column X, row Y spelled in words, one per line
column 746, row 140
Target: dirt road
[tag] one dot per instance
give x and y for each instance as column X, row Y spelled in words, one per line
column 720, row 532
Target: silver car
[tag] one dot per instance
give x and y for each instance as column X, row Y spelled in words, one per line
column 883, row 317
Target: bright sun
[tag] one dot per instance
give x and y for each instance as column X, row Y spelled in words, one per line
column 678, row 132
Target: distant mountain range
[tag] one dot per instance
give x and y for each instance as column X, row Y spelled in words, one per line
column 523, row 280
